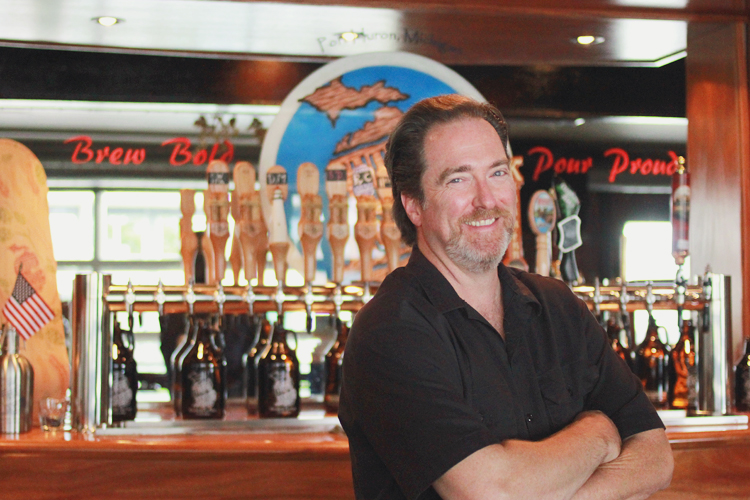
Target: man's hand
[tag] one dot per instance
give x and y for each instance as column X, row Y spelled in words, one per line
column 554, row 468
column 600, row 424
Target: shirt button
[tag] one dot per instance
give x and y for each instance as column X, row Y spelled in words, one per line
column 529, row 417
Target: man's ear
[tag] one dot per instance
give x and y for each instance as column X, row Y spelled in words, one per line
column 413, row 209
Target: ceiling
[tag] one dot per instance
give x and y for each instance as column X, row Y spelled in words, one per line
column 636, row 32
column 644, row 33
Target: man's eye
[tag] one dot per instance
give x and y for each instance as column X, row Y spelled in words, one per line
column 500, row 173
column 455, row 180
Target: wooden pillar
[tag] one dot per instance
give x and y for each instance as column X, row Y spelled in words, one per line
column 718, row 153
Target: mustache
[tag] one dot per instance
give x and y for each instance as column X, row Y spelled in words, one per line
column 487, row 213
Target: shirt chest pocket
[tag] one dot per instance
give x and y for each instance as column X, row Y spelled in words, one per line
column 494, row 403
column 564, row 391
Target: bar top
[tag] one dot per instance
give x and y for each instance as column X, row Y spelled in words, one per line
column 311, row 435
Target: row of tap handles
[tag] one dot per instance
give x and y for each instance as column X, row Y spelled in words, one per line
column 253, row 237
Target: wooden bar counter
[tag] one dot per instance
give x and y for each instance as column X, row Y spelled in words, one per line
column 241, row 460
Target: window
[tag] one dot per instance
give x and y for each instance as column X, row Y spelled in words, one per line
column 647, row 255
column 134, row 235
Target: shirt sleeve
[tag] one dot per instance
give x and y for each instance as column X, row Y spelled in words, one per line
column 404, row 393
column 618, row 392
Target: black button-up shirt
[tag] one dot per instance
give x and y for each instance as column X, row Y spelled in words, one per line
column 428, row 381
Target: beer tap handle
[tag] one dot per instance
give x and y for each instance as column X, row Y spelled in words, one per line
column 277, row 190
column 366, row 227
column 389, row 232
column 217, row 203
column 235, row 254
column 542, row 217
column 310, row 227
column 188, row 241
column 251, row 227
column 338, row 222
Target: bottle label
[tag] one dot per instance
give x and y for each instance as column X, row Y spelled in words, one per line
column 122, row 393
column 282, row 388
column 202, row 393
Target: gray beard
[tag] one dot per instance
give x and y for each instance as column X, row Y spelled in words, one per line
column 477, row 260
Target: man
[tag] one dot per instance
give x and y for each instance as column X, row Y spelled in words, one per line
column 464, row 379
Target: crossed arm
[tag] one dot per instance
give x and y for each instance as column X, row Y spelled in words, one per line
column 586, row 460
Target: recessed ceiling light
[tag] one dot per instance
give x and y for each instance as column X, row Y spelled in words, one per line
column 349, row 36
column 589, row 40
column 107, row 20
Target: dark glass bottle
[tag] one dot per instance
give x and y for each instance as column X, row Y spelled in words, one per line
column 651, row 361
column 203, row 375
column 176, row 361
column 334, row 359
column 683, row 370
column 742, row 381
column 278, row 378
column 250, row 361
column 614, row 329
column 124, row 376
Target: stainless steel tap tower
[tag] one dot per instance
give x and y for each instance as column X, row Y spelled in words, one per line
column 95, row 299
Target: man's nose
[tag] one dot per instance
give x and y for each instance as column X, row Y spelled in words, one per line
column 484, row 196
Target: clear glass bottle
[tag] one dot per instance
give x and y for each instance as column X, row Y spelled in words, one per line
column 203, row 375
column 651, row 361
column 278, row 378
column 683, row 370
column 334, row 360
column 124, row 376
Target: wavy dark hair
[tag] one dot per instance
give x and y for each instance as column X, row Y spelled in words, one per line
column 404, row 157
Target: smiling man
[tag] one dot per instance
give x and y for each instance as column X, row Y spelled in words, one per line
column 464, row 379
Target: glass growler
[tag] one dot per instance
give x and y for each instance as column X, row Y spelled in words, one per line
column 250, row 361
column 176, row 361
column 334, row 360
column 651, row 360
column 203, row 375
column 614, row 329
column 124, row 376
column 683, row 370
column 742, row 381
column 278, row 378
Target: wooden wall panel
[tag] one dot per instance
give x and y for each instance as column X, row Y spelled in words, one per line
column 717, row 109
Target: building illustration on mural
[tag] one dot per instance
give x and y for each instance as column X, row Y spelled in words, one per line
column 360, row 152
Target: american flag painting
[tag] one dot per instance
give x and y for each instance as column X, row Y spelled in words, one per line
column 25, row 309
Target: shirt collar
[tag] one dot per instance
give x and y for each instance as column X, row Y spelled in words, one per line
column 443, row 296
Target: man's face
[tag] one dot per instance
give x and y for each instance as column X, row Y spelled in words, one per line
column 470, row 195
